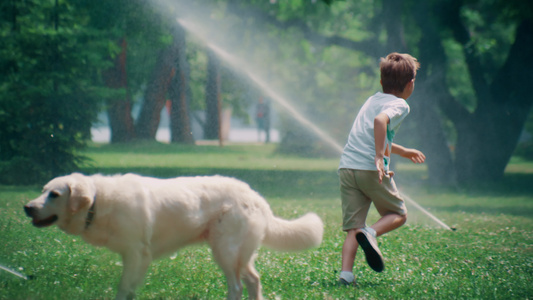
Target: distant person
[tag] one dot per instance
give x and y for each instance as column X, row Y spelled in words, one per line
column 364, row 172
column 263, row 119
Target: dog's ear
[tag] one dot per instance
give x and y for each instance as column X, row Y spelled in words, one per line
column 81, row 194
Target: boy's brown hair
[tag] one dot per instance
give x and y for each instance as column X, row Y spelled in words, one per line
column 397, row 69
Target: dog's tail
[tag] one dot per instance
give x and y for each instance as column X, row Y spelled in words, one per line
column 294, row 235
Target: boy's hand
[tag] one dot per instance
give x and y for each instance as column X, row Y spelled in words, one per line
column 380, row 165
column 414, row 155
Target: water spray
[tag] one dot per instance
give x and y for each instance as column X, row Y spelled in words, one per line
column 271, row 93
column 430, row 215
column 236, row 64
column 15, row 273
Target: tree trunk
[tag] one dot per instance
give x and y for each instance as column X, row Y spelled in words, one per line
column 484, row 150
column 212, row 98
column 180, row 127
column 430, row 90
column 430, row 134
column 119, row 110
column 394, row 26
column 155, row 94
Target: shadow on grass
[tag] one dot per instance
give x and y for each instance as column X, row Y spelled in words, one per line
column 511, row 185
column 512, row 195
column 519, row 210
column 269, row 183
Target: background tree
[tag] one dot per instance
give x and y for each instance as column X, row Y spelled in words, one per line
column 116, row 21
column 121, row 121
column 488, row 134
column 156, row 92
column 213, row 99
column 179, row 93
column 49, row 90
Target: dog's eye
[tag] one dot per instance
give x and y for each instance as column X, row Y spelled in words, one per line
column 53, row 194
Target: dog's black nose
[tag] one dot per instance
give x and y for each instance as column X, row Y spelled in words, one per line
column 29, row 210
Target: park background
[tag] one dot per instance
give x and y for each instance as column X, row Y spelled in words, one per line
column 71, row 67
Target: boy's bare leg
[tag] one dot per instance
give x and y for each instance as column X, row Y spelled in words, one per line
column 388, row 223
column 349, row 249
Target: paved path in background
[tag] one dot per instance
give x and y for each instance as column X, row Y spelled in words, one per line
column 236, row 135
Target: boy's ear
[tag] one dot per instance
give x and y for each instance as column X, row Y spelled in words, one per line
column 381, row 82
column 409, row 84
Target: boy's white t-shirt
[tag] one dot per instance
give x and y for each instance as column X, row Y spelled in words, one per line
column 360, row 150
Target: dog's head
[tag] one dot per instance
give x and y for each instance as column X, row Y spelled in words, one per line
column 63, row 200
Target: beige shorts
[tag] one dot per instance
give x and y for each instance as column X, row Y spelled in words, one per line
column 360, row 188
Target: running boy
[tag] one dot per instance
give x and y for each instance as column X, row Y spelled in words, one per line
column 364, row 166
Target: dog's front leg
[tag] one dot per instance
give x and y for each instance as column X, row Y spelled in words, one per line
column 136, row 262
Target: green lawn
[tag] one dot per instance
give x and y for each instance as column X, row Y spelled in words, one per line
column 490, row 256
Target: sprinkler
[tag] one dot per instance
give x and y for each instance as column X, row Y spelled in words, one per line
column 15, row 273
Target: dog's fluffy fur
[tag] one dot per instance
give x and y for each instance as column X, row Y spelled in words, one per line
column 144, row 218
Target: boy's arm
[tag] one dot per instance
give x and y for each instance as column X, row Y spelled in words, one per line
column 414, row 155
column 380, row 134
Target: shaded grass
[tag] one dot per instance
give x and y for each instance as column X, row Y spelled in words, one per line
column 489, row 257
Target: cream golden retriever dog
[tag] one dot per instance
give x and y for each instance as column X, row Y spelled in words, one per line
column 144, row 218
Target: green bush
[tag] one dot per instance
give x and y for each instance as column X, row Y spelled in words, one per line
column 50, row 89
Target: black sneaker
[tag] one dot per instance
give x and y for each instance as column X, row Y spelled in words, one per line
column 370, row 246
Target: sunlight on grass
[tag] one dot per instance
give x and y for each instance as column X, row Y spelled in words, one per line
column 251, row 157
column 519, row 165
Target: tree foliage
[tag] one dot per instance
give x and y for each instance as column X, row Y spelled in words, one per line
column 49, row 88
